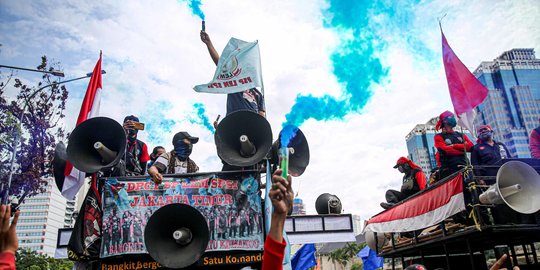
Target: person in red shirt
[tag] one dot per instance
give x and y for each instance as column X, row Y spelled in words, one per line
column 451, row 145
column 534, row 142
column 414, row 181
column 281, row 196
column 8, row 238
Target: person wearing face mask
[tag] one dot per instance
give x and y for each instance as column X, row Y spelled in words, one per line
column 414, row 180
column 487, row 152
column 176, row 161
column 451, row 145
column 136, row 155
column 490, row 152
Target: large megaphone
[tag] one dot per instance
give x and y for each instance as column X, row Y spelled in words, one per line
column 59, row 164
column 293, row 138
column 243, row 138
column 518, row 186
column 375, row 243
column 176, row 235
column 96, row 143
column 327, row 203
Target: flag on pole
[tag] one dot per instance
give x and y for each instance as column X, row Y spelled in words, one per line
column 304, row 258
column 74, row 178
column 466, row 91
column 370, row 259
column 238, row 69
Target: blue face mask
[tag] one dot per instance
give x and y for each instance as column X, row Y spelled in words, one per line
column 451, row 121
column 485, row 136
column 182, row 150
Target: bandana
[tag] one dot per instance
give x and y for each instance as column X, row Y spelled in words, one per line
column 443, row 115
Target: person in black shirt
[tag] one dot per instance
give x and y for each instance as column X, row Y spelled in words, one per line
column 136, row 155
column 487, row 152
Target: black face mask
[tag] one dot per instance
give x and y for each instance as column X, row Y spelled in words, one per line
column 182, row 149
column 132, row 133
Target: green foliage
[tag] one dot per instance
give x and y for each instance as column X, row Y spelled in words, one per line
column 29, row 259
column 357, row 266
column 343, row 255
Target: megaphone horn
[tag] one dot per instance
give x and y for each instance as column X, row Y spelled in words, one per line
column 327, row 203
column 243, row 138
column 176, row 235
column 59, row 164
column 518, row 186
column 298, row 147
column 95, row 144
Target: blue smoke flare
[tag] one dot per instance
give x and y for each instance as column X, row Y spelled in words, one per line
column 360, row 26
column 287, row 134
column 159, row 129
column 195, row 6
column 202, row 119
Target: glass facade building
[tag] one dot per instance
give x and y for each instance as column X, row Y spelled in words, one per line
column 298, row 207
column 512, row 107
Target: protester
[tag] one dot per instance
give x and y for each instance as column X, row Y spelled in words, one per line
column 177, row 160
column 534, row 142
column 281, row 196
column 451, row 145
column 414, row 180
column 158, row 151
column 251, row 99
column 136, row 155
column 487, row 152
column 9, row 243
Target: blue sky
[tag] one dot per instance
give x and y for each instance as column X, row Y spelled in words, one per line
column 357, row 75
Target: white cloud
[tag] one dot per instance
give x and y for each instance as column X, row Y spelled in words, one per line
column 152, row 53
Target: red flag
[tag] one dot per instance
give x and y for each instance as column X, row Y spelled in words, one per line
column 90, row 108
column 466, row 91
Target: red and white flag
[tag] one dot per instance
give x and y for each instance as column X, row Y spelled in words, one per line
column 466, row 91
column 421, row 211
column 90, row 108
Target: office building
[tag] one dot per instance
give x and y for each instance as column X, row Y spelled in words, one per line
column 298, row 207
column 41, row 217
column 512, row 107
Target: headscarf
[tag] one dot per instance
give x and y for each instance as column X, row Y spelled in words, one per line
column 441, row 117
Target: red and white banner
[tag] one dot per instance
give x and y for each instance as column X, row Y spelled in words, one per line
column 90, row 108
column 421, row 211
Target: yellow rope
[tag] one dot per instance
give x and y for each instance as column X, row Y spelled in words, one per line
column 472, row 215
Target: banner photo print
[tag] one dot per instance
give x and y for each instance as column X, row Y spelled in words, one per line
column 238, row 69
column 231, row 204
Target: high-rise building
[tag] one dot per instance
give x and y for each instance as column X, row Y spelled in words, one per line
column 421, row 144
column 512, row 107
column 41, row 217
column 298, row 207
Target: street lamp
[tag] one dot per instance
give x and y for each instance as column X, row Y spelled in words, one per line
column 57, row 73
column 19, row 122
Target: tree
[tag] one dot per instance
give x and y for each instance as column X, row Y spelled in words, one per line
column 343, row 255
column 30, row 259
column 30, row 123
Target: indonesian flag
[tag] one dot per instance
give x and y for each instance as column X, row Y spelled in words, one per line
column 90, row 108
column 421, row 211
column 238, row 69
column 466, row 91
